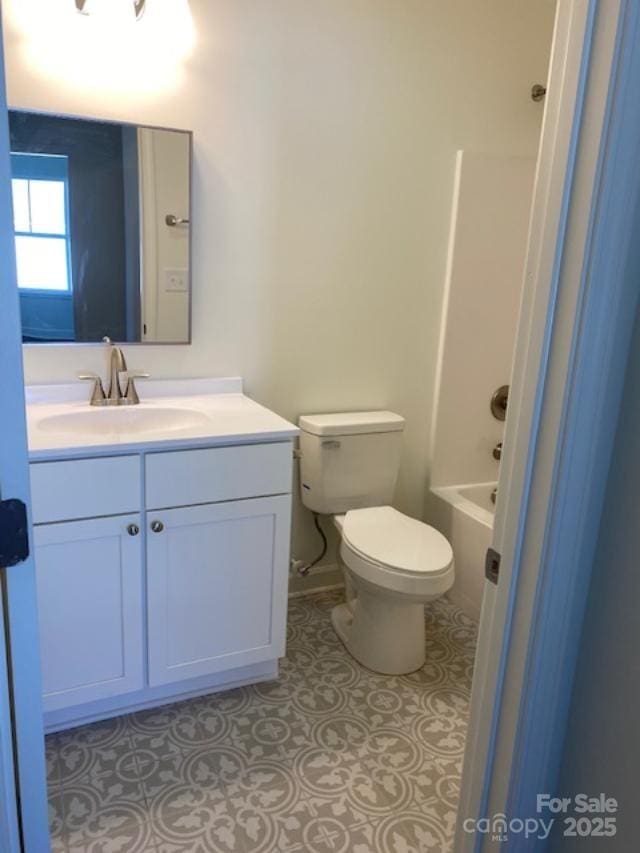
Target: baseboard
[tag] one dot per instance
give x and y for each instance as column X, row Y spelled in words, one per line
column 304, row 593
column 322, row 578
column 155, row 697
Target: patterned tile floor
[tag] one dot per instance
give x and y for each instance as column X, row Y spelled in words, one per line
column 331, row 758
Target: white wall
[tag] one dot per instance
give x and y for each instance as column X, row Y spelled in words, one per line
column 487, row 249
column 325, row 140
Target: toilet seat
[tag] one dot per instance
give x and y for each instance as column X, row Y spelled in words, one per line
column 396, row 541
column 390, row 550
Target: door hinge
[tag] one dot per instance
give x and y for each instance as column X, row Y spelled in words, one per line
column 492, row 565
column 14, row 533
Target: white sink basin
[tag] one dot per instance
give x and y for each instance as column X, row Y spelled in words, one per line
column 129, row 419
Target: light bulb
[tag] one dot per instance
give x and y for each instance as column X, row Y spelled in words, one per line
column 114, row 10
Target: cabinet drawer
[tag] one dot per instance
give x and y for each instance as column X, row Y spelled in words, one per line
column 188, row 477
column 84, row 488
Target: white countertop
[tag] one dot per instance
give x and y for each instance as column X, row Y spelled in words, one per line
column 222, row 414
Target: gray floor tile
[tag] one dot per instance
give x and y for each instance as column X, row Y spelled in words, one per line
column 52, row 757
column 99, row 805
column 331, row 758
column 198, row 772
column 56, row 819
column 95, row 749
column 169, row 729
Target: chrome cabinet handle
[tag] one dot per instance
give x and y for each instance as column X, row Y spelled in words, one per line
column 133, row 530
column 157, row 526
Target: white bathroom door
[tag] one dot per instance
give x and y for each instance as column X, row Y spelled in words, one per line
column 573, row 341
column 9, row 824
column 23, row 793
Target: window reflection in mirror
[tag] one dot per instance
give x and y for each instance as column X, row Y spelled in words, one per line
column 102, row 230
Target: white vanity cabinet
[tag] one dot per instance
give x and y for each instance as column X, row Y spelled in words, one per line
column 89, row 573
column 161, row 575
column 217, row 558
column 89, row 580
column 215, row 588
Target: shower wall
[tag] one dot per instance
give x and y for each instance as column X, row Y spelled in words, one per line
column 487, row 245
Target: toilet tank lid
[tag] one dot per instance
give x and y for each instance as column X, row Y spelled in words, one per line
column 351, row 423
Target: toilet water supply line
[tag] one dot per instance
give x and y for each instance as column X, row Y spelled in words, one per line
column 305, row 568
column 301, row 566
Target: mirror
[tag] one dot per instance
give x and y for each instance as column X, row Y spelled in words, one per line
column 102, row 228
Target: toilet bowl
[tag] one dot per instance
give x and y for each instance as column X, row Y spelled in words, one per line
column 394, row 565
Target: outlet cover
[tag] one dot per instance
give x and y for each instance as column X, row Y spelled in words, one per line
column 176, row 281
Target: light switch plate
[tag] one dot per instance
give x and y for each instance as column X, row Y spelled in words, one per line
column 176, row 280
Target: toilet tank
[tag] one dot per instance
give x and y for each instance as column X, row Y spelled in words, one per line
column 349, row 460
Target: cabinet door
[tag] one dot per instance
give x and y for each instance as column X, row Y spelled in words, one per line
column 89, row 579
column 217, row 587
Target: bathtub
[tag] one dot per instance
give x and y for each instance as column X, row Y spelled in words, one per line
column 464, row 514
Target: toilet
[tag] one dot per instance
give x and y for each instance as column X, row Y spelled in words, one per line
column 393, row 564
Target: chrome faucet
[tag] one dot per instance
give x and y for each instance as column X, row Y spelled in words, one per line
column 117, row 365
column 114, row 395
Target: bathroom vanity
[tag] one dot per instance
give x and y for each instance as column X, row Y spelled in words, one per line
column 161, row 542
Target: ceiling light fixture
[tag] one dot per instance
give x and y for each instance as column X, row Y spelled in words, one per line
column 55, row 40
column 138, row 7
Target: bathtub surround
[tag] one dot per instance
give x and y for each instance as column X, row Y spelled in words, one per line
column 487, row 246
column 325, row 138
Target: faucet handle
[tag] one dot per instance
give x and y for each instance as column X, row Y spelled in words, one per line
column 131, row 393
column 97, row 395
